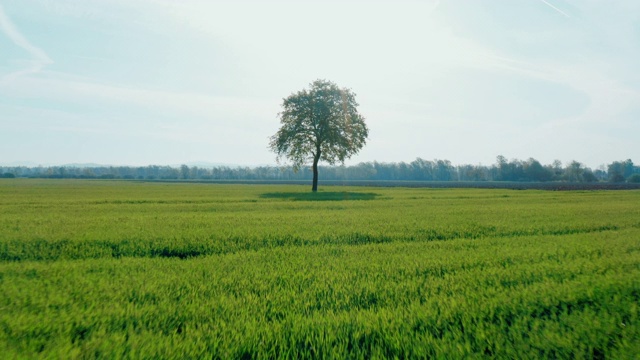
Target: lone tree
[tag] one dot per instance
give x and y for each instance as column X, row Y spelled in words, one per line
column 321, row 123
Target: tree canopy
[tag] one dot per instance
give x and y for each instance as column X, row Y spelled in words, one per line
column 319, row 124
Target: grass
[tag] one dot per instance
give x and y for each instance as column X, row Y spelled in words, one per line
column 320, row 196
column 129, row 270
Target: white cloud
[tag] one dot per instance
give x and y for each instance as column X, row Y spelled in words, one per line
column 555, row 8
column 39, row 58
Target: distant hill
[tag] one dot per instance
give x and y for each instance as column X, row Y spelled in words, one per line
column 23, row 163
column 208, row 165
column 200, row 164
column 83, row 165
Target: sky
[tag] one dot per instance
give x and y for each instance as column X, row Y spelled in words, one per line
column 140, row 82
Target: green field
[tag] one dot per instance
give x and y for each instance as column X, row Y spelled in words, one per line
column 176, row 270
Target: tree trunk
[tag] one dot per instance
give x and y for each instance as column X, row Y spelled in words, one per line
column 316, row 158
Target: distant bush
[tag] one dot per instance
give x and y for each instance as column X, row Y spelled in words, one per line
column 616, row 178
column 635, row 178
column 8, row 175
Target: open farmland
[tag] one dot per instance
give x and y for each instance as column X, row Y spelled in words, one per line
column 131, row 269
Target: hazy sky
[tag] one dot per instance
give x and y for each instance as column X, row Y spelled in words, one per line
column 138, row 82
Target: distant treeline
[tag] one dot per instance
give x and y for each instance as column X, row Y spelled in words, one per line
column 529, row 170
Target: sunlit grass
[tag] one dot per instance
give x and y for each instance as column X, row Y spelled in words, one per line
column 120, row 269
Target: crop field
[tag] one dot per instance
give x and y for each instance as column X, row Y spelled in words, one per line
column 114, row 269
